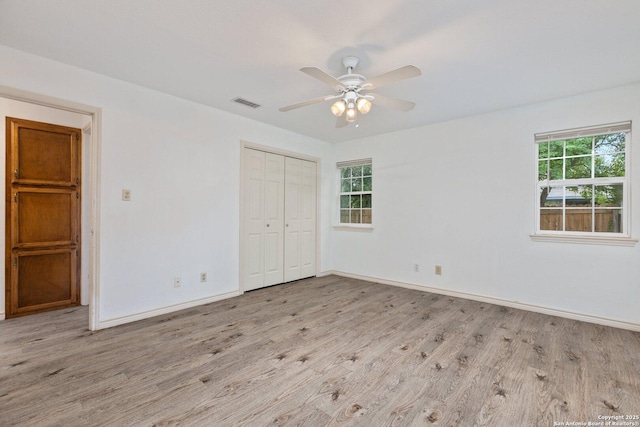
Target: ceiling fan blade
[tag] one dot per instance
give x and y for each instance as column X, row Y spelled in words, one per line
column 317, row 73
column 341, row 121
column 396, row 104
column 308, row 102
column 403, row 73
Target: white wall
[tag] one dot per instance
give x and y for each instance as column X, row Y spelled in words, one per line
column 181, row 161
column 461, row 194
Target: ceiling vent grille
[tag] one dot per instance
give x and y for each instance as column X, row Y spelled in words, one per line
column 245, row 102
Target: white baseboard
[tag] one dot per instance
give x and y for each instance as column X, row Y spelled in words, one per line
column 2, row 316
column 497, row 301
column 103, row 324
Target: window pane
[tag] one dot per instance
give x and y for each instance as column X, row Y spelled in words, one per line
column 608, row 195
column 607, row 144
column 346, row 172
column 543, row 150
column 366, row 170
column 366, row 200
column 366, row 216
column 356, row 184
column 356, row 171
column 556, row 149
column 344, row 216
column 579, row 146
column 346, row 186
column 579, row 196
column 551, row 219
column 551, row 197
column 555, row 169
column 608, row 221
column 542, row 170
column 578, row 219
column 356, row 201
column 366, row 184
column 609, row 165
column 344, row 201
column 355, row 217
column 578, row 167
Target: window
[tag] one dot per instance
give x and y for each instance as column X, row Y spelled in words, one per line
column 582, row 187
column 355, row 191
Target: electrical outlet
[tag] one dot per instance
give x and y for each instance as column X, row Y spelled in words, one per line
column 126, row 195
column 416, row 268
column 203, row 277
column 438, row 270
column 177, row 282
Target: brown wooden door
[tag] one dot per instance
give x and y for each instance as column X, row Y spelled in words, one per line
column 42, row 217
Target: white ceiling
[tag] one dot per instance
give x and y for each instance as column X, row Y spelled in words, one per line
column 475, row 56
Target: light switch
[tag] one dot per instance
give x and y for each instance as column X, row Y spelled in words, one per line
column 126, row 195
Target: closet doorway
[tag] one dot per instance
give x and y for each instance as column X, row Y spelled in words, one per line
column 279, row 220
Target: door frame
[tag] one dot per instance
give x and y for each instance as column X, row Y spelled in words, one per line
column 93, row 192
column 287, row 153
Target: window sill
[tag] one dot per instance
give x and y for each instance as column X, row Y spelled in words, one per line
column 354, row 227
column 585, row 240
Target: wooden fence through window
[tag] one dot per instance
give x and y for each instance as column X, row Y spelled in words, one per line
column 606, row 220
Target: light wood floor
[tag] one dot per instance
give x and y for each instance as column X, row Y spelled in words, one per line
column 322, row 351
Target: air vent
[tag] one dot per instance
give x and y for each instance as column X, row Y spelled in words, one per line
column 245, row 102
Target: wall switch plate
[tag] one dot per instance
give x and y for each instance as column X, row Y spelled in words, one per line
column 126, row 194
column 438, row 270
column 203, row 277
column 177, row 282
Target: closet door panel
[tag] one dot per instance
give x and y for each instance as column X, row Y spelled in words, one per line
column 253, row 261
column 274, row 219
column 293, row 184
column 308, row 219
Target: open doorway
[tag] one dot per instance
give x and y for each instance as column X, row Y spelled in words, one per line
column 29, row 106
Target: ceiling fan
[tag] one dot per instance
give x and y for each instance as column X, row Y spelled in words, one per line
column 350, row 91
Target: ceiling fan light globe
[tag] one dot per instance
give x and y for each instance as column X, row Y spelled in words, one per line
column 338, row 108
column 364, row 105
column 351, row 114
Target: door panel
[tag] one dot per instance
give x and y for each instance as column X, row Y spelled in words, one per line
column 308, row 215
column 264, row 195
column 300, row 219
column 292, row 219
column 47, row 155
column 44, row 217
column 274, row 219
column 254, row 219
column 45, row 277
column 42, row 244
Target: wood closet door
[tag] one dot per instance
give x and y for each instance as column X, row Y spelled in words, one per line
column 42, row 217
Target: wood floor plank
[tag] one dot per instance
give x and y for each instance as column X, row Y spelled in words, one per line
column 321, row 351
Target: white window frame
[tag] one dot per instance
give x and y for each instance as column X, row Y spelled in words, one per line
column 590, row 237
column 339, row 167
